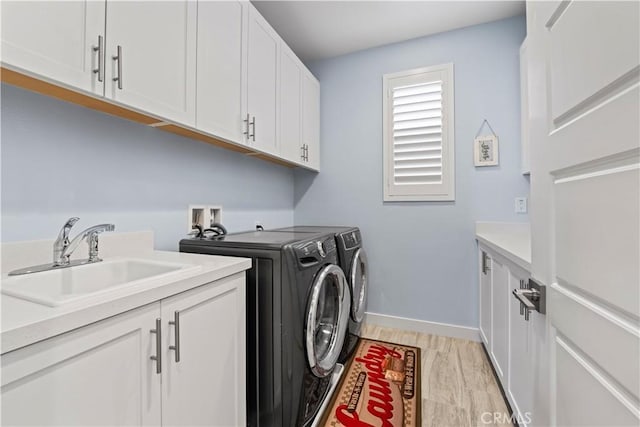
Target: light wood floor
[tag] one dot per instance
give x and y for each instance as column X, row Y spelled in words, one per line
column 458, row 385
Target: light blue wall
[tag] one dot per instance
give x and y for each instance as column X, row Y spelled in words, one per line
column 61, row 160
column 422, row 255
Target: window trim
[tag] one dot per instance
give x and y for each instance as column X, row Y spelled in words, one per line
column 446, row 190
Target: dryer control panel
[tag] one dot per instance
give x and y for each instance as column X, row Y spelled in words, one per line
column 351, row 239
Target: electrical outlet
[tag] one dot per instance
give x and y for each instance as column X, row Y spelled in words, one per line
column 521, row 205
column 215, row 215
column 197, row 216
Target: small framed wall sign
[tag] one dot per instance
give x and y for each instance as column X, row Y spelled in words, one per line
column 485, row 148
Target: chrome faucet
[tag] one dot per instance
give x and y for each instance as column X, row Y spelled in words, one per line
column 63, row 248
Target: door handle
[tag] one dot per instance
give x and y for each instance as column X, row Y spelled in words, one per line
column 118, row 58
column 176, row 334
column 533, row 297
column 100, row 49
column 158, row 356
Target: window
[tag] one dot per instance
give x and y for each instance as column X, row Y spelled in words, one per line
column 418, row 135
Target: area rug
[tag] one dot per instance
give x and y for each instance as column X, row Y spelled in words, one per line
column 380, row 387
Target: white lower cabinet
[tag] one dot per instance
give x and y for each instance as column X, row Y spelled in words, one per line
column 203, row 380
column 110, row 372
column 500, row 319
column 98, row 374
column 505, row 332
column 485, row 298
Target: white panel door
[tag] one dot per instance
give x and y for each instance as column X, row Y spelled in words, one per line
column 206, row 384
column 290, row 106
column 485, row 298
column 56, row 40
column 100, row 374
column 500, row 297
column 311, row 119
column 263, row 56
column 222, row 69
column 156, row 68
column 585, row 225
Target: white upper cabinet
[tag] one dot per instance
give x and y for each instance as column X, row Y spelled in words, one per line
column 59, row 41
column 291, row 146
column 311, row 119
column 222, row 69
column 299, row 111
column 263, row 55
column 151, row 57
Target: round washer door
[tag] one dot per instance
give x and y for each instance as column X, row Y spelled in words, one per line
column 358, row 285
column 327, row 319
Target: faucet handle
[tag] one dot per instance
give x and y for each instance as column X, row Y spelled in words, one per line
column 66, row 228
column 93, row 240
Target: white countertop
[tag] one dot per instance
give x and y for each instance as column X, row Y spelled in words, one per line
column 25, row 322
column 511, row 240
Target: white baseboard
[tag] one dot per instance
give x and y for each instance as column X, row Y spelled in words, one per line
column 434, row 328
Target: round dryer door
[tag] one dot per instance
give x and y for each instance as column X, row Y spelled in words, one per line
column 327, row 319
column 358, row 285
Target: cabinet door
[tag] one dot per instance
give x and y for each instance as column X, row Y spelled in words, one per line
column 311, row 119
column 206, row 384
column 520, row 385
column 156, row 67
column 485, row 299
column 290, row 106
column 100, row 374
column 222, row 69
column 263, row 48
column 500, row 318
column 55, row 40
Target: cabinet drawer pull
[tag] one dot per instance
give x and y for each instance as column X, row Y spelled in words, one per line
column 100, row 49
column 158, row 356
column 176, row 333
column 118, row 58
column 302, row 152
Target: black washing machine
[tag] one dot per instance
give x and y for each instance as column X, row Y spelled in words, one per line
column 353, row 261
column 298, row 305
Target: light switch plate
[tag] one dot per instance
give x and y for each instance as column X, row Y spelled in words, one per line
column 521, row 205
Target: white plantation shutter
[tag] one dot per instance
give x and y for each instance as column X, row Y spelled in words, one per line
column 418, row 135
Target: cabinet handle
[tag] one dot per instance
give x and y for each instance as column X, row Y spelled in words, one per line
column 246, row 132
column 302, row 152
column 485, row 264
column 158, row 356
column 100, row 49
column 118, row 58
column 253, row 123
column 306, row 152
column 176, row 333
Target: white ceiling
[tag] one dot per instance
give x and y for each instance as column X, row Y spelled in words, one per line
column 323, row 29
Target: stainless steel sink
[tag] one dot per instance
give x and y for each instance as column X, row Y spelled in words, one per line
column 59, row 287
